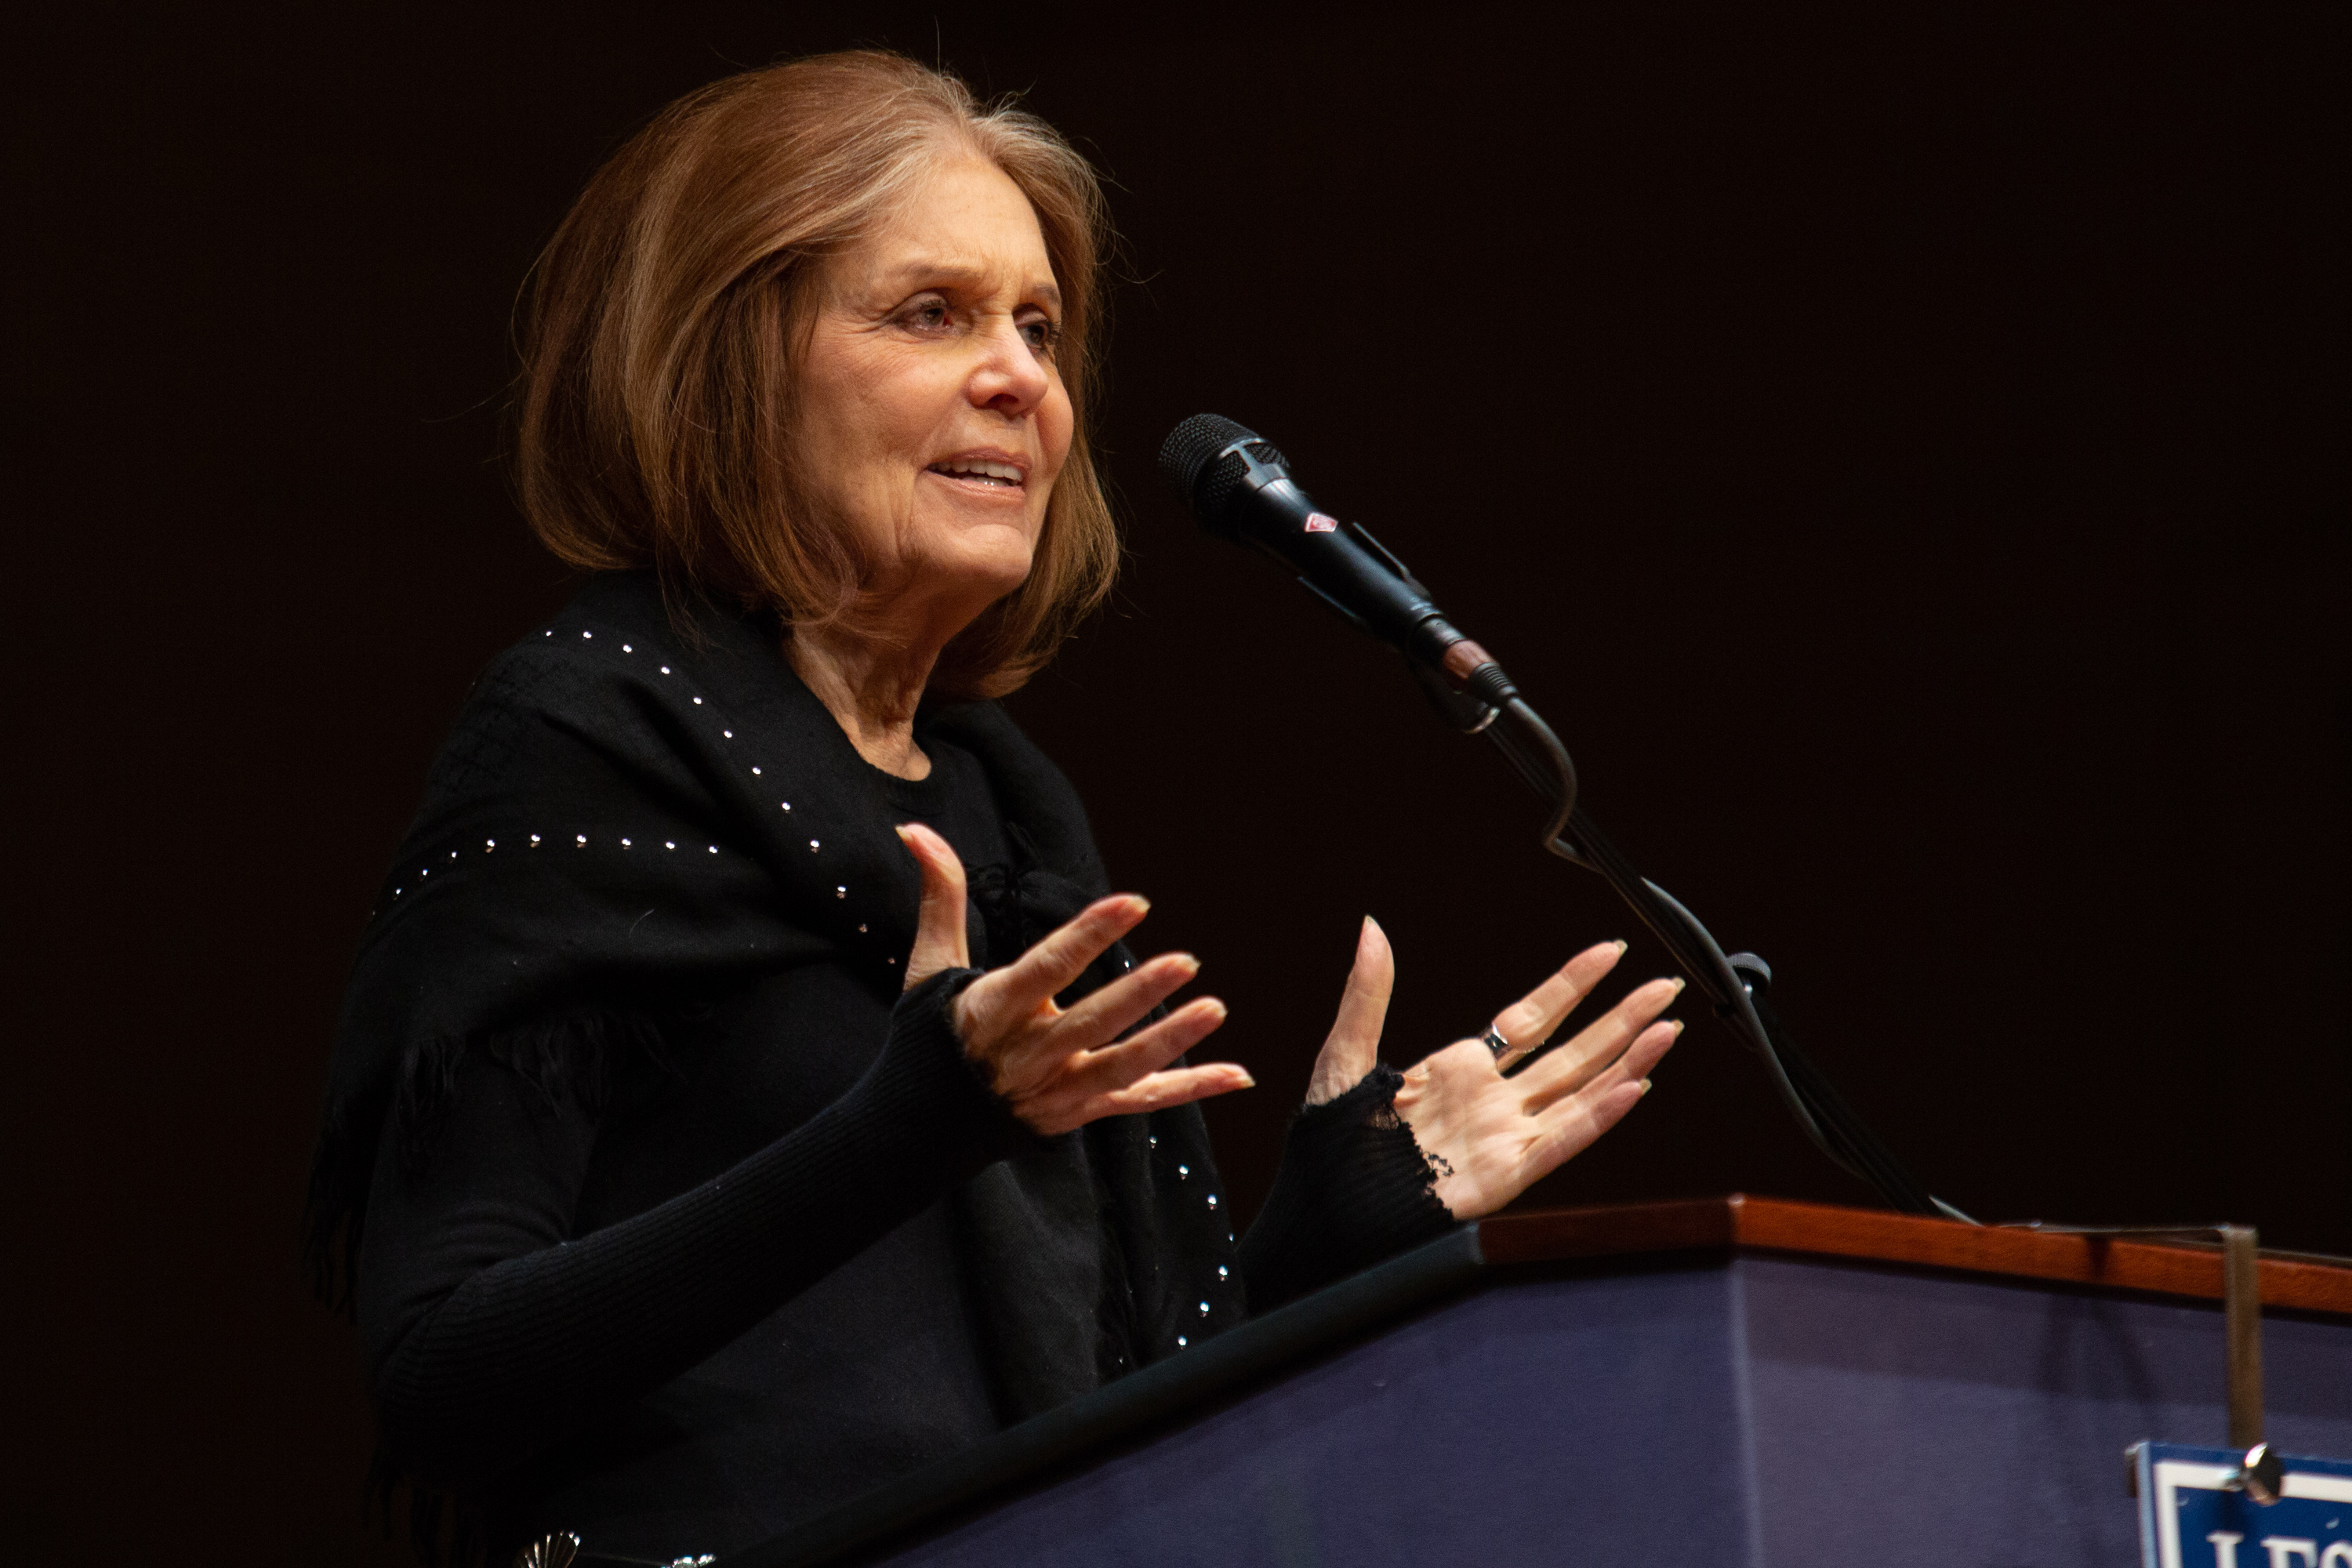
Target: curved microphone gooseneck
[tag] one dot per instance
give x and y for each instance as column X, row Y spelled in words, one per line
column 1240, row 488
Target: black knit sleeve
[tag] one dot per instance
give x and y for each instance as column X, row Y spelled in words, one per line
column 1353, row 1188
column 489, row 1334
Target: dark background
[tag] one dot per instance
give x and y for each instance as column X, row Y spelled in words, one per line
column 1902, row 448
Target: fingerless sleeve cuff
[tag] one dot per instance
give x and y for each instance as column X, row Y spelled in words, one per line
column 1353, row 1188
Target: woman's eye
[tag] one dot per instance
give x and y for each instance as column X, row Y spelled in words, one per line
column 1040, row 335
column 928, row 315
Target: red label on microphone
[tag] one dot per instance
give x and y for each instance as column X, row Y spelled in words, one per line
column 1317, row 523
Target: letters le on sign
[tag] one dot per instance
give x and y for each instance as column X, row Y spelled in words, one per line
column 2192, row 1516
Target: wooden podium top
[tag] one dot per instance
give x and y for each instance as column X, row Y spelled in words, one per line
column 1777, row 1224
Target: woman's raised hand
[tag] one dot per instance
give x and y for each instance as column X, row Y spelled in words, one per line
column 1488, row 1137
column 1060, row 1069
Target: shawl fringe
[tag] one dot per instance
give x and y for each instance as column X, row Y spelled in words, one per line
column 445, row 1529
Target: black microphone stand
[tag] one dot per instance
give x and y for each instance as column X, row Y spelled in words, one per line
column 1241, row 488
column 1735, row 984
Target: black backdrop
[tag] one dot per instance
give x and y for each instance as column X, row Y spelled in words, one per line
column 1902, row 448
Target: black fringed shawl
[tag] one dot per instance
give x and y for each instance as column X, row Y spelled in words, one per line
column 633, row 841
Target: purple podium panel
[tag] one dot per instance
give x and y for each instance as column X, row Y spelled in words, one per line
column 1913, row 1418
column 1707, row 1405
column 1527, row 1423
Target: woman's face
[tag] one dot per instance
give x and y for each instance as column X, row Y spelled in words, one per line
column 932, row 421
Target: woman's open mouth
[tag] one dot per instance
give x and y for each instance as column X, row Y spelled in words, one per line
column 986, row 471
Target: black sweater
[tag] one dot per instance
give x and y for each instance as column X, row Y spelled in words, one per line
column 687, row 1224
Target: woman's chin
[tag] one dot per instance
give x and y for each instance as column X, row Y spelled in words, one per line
column 984, row 563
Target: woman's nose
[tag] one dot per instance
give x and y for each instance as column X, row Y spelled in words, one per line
column 1011, row 378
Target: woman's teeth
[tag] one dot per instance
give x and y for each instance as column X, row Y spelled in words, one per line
column 974, row 468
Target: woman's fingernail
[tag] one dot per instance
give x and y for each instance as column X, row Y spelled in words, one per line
column 900, row 829
column 1679, row 1026
column 1248, row 1081
column 1623, row 944
column 1679, row 983
column 1645, row 1086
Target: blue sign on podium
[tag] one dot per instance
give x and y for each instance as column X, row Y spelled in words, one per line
column 2193, row 1514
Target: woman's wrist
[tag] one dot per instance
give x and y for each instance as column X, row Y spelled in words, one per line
column 1354, row 1187
column 925, row 1077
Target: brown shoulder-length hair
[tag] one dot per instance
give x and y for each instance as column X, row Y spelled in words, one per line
column 666, row 319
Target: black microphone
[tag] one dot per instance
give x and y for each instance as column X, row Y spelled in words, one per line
column 1240, row 489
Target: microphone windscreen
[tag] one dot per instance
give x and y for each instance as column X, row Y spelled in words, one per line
column 1200, row 479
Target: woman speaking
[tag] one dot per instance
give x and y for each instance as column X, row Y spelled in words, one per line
column 745, row 1093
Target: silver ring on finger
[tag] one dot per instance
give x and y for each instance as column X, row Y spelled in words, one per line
column 1496, row 1044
